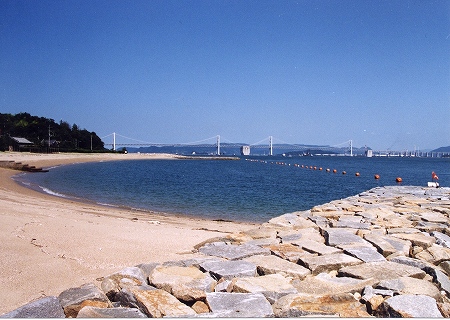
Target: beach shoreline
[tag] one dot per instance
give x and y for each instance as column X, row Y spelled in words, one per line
column 51, row 243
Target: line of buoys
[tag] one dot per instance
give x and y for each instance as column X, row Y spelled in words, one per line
column 357, row 174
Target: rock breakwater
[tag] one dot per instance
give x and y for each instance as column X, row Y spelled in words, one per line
column 384, row 252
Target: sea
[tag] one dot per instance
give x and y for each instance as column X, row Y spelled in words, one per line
column 252, row 189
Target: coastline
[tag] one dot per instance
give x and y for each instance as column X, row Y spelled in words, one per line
column 51, row 243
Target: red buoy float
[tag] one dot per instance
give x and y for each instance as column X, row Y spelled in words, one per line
column 398, row 179
column 357, row 174
column 334, row 170
column 377, row 176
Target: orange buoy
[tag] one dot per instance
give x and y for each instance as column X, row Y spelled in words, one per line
column 320, row 168
column 334, row 170
column 315, row 168
column 343, row 172
column 357, row 174
column 398, row 179
column 377, row 176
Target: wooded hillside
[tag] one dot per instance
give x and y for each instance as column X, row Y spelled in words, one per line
column 45, row 135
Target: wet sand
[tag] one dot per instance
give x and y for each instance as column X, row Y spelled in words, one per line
column 49, row 244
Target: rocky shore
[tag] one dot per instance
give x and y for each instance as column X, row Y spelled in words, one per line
column 384, row 253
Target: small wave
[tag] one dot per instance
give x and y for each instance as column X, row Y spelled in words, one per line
column 107, row 204
column 53, row 193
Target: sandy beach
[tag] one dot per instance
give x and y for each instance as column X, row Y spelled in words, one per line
column 49, row 244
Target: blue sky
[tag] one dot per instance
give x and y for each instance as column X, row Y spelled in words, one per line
column 312, row 72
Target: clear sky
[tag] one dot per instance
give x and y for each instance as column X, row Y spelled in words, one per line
column 311, row 72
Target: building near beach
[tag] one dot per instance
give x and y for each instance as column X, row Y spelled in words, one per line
column 19, row 144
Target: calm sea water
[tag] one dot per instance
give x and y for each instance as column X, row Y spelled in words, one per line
column 243, row 190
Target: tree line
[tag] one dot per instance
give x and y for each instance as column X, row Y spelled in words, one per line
column 46, row 135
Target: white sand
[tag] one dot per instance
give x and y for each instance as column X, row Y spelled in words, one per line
column 49, row 244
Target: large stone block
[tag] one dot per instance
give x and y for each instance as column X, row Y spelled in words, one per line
column 74, row 299
column 324, row 283
column 364, row 253
column 434, row 254
column 48, row 307
column 408, row 285
column 185, row 283
column 417, row 239
column 126, row 298
column 131, row 276
column 301, row 235
column 229, row 269
column 409, row 306
column 293, row 221
column 441, row 279
column 337, row 236
column 93, row 312
column 273, row 264
column 289, row 252
column 381, row 271
column 423, row 265
column 159, row 303
column 435, row 217
column 239, row 305
column 388, row 245
column 330, row 262
column 317, row 247
column 231, row 251
column 441, row 238
column 272, row 286
column 304, row 305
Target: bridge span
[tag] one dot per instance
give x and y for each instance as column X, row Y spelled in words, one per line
column 267, row 144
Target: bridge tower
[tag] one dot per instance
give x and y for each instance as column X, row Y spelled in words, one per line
column 270, row 146
column 218, row 145
column 351, row 148
column 114, row 141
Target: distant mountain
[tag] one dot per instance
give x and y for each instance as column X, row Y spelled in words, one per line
column 442, row 149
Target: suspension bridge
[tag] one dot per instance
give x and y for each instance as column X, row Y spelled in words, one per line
column 216, row 142
column 266, row 146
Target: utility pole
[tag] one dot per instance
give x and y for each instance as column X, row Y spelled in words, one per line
column 49, row 140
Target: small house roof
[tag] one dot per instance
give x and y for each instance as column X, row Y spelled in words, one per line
column 21, row 140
